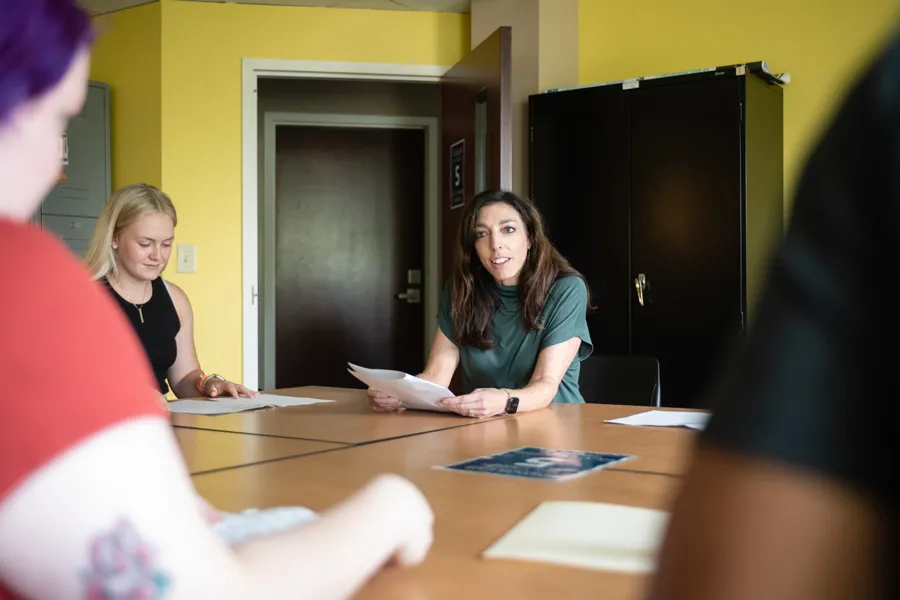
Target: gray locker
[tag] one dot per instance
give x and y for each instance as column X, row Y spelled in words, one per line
column 88, row 178
column 75, row 231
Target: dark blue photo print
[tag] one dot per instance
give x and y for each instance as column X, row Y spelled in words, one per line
column 540, row 463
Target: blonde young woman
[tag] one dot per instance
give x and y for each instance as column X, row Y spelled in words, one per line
column 130, row 249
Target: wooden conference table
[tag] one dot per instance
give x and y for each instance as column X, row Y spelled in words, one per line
column 319, row 454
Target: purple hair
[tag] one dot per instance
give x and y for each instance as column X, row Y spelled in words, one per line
column 38, row 41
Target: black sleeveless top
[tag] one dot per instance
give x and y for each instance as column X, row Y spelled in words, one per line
column 157, row 332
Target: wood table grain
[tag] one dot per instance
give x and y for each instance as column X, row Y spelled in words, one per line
column 474, row 510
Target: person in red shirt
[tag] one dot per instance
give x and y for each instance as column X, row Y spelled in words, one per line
column 95, row 500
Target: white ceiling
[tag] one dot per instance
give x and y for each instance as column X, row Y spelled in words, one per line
column 457, row 6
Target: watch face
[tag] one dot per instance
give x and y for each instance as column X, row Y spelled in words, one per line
column 512, row 405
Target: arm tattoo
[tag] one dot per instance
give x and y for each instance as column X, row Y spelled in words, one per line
column 123, row 567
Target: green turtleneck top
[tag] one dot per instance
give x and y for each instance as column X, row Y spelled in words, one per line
column 510, row 363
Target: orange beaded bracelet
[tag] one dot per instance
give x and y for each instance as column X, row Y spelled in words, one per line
column 201, row 385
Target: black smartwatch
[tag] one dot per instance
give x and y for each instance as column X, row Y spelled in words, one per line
column 512, row 405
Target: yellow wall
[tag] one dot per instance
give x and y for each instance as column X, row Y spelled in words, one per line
column 203, row 44
column 821, row 44
column 127, row 56
column 174, row 69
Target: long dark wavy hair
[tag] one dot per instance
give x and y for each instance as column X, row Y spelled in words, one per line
column 474, row 293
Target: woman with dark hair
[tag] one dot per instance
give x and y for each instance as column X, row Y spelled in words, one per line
column 514, row 316
column 95, row 500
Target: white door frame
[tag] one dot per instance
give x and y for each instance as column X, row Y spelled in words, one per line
column 271, row 120
column 251, row 70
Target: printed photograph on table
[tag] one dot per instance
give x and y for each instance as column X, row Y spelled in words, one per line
column 549, row 464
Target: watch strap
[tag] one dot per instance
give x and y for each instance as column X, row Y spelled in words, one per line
column 512, row 402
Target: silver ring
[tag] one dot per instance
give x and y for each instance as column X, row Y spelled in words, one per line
column 471, row 413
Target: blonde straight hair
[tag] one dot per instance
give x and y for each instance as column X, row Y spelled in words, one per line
column 123, row 208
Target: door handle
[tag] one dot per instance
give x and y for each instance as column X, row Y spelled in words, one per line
column 411, row 295
column 640, row 286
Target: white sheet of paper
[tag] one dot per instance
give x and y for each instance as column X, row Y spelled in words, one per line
column 415, row 393
column 224, row 406
column 665, row 418
column 253, row 522
column 213, row 407
column 590, row 535
column 275, row 400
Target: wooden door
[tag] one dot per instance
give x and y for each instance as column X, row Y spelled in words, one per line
column 686, row 206
column 476, row 117
column 349, row 227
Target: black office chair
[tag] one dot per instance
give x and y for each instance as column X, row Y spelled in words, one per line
column 632, row 380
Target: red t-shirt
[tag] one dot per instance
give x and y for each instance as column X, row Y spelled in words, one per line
column 70, row 363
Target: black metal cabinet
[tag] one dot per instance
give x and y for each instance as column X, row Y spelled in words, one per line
column 667, row 195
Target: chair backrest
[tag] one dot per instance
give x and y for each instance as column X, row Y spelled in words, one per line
column 607, row 379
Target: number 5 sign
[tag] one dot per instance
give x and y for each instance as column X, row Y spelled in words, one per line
column 457, row 174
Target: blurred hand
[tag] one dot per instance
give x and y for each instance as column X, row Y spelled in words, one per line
column 381, row 402
column 210, row 513
column 407, row 507
column 483, row 402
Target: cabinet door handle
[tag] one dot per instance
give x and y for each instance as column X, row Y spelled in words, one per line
column 640, row 286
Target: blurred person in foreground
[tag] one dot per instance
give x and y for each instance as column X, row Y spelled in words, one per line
column 95, row 500
column 792, row 495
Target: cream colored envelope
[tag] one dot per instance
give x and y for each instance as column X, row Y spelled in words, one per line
column 591, row 535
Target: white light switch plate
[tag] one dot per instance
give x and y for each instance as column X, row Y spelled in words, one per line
column 187, row 258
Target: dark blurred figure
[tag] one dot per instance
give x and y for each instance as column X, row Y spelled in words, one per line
column 792, row 494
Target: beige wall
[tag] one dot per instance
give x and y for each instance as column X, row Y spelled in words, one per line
column 558, row 41
column 522, row 16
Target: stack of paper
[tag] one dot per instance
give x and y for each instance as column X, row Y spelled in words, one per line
column 413, row 392
column 606, row 537
column 665, row 418
column 224, row 406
